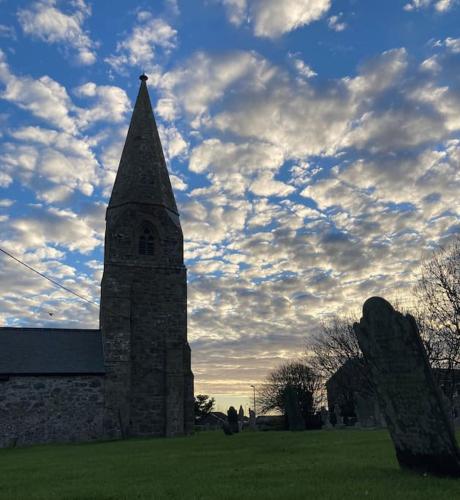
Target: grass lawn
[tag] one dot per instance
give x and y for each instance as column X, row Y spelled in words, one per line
column 209, row 465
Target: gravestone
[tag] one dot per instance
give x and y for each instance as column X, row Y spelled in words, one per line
column 408, row 395
column 240, row 418
column 338, row 419
column 294, row 418
column 232, row 418
column 252, row 419
column 227, row 429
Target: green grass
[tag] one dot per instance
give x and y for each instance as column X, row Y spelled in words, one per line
column 272, row 465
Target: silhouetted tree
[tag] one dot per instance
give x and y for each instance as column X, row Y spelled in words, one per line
column 438, row 310
column 203, row 405
column 294, row 386
column 335, row 346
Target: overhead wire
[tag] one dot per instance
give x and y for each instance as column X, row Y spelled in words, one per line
column 56, row 283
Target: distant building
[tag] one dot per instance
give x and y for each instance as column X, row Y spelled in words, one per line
column 213, row 421
column 133, row 376
column 350, row 395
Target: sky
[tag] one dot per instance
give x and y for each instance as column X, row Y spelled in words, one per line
column 313, row 147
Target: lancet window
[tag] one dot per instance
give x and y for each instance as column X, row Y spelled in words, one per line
column 146, row 240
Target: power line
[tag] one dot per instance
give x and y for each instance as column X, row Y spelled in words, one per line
column 50, row 279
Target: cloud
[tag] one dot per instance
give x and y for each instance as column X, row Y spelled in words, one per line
column 452, row 44
column 236, row 11
column 42, row 237
column 335, row 22
column 48, row 100
column 284, row 118
column 243, row 94
column 58, row 159
column 174, row 144
column 301, row 67
column 300, row 195
column 439, row 5
column 5, row 179
column 52, row 163
column 205, row 79
column 172, row 6
column 109, row 103
column 57, row 227
column 215, row 156
column 30, row 300
column 274, row 18
column 43, row 20
column 140, row 47
column 265, row 185
column 236, row 167
column 309, row 118
column 7, row 32
column 369, row 190
column 44, row 97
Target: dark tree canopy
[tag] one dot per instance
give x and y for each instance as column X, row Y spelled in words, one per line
column 203, row 405
column 292, row 387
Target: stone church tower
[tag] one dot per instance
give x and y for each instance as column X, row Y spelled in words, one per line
column 143, row 317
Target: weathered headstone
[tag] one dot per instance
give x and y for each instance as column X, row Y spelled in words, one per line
column 240, row 418
column 408, row 395
column 252, row 419
column 294, row 417
column 232, row 418
column 227, row 429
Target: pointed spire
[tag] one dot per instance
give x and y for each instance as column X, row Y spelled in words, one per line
column 142, row 175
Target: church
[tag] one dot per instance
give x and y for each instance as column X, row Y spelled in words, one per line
column 133, row 376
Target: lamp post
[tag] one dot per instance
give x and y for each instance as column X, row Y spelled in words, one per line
column 254, row 389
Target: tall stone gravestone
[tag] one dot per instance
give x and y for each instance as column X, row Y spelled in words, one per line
column 295, row 420
column 411, row 401
column 252, row 419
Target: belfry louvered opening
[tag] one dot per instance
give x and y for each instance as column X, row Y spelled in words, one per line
column 146, row 240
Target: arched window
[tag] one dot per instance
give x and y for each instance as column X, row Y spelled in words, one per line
column 146, row 240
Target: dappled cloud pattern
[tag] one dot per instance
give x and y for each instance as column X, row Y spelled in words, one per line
column 300, row 195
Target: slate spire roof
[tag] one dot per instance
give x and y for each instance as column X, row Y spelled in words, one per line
column 142, row 175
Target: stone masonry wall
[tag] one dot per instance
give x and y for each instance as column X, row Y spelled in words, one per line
column 158, row 334
column 44, row 409
column 149, row 384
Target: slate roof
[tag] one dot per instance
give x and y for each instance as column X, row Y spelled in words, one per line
column 142, row 175
column 48, row 351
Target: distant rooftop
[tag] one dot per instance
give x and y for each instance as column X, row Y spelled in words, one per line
column 49, row 351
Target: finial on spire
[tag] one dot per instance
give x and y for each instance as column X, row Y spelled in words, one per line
column 143, row 77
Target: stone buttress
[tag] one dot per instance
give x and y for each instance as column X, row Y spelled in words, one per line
column 149, row 382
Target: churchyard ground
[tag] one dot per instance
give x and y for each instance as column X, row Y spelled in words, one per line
column 338, row 464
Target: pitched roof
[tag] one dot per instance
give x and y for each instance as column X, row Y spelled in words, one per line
column 46, row 351
column 142, row 175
